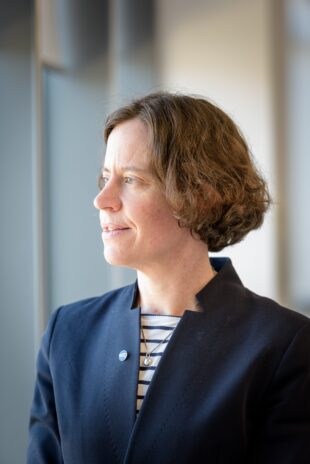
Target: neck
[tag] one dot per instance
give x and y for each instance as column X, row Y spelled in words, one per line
column 173, row 290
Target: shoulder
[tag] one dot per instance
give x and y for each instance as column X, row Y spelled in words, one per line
column 257, row 315
column 273, row 327
column 258, row 311
column 255, row 322
column 102, row 301
column 269, row 311
column 82, row 315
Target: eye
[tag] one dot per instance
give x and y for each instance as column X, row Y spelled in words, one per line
column 129, row 180
column 102, row 181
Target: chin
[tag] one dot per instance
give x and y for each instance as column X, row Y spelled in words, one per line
column 115, row 259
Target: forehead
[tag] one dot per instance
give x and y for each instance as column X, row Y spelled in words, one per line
column 128, row 144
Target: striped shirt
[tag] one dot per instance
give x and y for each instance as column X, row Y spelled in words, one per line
column 157, row 328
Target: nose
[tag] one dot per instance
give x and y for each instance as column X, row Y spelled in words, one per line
column 108, row 198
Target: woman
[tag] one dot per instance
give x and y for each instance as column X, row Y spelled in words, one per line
column 186, row 365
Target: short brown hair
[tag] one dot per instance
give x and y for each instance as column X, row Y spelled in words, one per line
column 203, row 164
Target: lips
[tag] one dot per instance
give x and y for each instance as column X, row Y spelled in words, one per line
column 110, row 227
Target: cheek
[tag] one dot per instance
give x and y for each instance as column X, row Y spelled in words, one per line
column 152, row 217
column 159, row 224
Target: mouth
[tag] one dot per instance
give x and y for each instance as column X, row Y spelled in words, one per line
column 109, row 227
column 112, row 230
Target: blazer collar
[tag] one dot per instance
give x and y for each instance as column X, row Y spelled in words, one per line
column 192, row 352
column 215, row 291
column 226, row 278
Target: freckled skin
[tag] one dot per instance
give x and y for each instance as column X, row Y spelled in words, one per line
column 133, row 199
column 172, row 265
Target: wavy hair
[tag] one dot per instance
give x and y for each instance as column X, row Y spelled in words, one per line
column 203, row 164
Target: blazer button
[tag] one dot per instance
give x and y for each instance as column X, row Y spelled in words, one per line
column 123, row 355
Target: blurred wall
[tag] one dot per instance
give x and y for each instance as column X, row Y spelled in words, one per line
column 76, row 97
column 296, row 150
column 16, row 245
column 223, row 50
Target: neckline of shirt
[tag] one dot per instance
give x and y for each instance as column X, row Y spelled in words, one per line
column 160, row 315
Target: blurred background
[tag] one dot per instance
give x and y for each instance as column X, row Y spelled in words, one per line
column 64, row 65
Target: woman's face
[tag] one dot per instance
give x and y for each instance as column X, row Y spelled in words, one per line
column 138, row 227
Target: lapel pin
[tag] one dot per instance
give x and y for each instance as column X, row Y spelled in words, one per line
column 123, row 355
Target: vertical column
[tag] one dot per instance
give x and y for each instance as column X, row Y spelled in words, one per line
column 298, row 143
column 132, row 65
column 132, row 55
column 38, row 194
column 279, row 68
column 16, row 245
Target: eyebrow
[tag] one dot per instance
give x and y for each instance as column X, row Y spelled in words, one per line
column 129, row 168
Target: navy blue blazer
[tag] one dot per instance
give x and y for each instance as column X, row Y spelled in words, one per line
column 233, row 385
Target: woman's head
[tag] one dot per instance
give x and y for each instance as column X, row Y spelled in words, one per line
column 203, row 165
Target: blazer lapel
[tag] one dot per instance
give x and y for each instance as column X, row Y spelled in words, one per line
column 190, row 358
column 121, row 372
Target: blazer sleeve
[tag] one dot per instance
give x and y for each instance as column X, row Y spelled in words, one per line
column 44, row 439
column 284, row 436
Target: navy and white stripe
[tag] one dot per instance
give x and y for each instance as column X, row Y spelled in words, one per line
column 156, row 327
